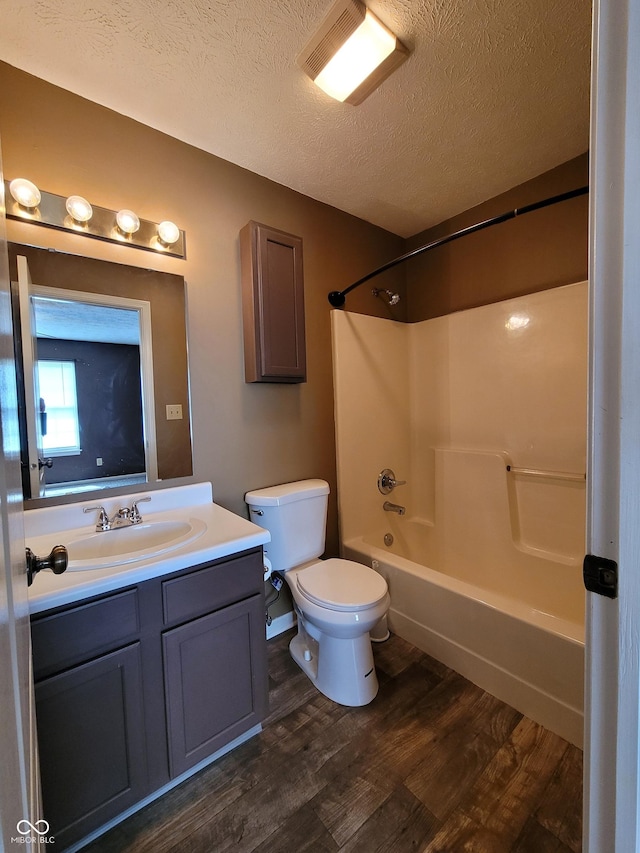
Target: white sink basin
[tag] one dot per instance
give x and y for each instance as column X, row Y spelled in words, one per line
column 128, row 544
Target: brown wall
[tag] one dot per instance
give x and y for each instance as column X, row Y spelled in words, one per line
column 244, row 436
column 540, row 250
column 247, row 436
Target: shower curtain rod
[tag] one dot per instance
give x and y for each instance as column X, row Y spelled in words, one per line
column 337, row 297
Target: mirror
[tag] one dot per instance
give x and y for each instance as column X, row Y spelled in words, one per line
column 104, row 369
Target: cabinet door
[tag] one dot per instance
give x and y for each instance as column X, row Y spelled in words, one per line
column 91, row 743
column 215, row 681
column 272, row 305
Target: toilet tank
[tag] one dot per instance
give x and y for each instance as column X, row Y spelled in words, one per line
column 295, row 514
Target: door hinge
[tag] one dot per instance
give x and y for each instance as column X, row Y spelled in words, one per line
column 600, row 575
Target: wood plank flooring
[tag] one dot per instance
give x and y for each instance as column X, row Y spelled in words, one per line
column 433, row 764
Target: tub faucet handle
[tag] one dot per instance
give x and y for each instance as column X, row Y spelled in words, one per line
column 387, row 481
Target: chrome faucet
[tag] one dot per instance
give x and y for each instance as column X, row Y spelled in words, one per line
column 387, row 481
column 387, row 506
column 124, row 517
column 134, row 513
column 104, row 522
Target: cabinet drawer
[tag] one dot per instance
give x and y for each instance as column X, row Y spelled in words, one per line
column 74, row 635
column 212, row 587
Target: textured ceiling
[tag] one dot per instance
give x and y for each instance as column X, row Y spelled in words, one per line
column 494, row 92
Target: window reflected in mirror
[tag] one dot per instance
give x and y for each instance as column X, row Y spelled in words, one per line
column 58, row 407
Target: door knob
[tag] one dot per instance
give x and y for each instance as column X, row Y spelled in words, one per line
column 57, row 561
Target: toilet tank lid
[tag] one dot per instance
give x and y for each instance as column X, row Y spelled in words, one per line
column 287, row 493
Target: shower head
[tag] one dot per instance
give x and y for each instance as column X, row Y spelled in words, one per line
column 393, row 298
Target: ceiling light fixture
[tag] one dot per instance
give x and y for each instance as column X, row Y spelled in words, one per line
column 352, row 53
column 74, row 214
column 25, row 193
column 79, row 209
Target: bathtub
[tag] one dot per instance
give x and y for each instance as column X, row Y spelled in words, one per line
column 526, row 655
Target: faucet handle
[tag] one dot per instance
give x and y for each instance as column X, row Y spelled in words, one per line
column 134, row 513
column 387, row 481
column 103, row 522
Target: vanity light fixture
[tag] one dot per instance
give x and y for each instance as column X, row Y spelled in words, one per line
column 352, row 52
column 25, row 193
column 79, row 209
column 128, row 222
column 168, row 233
column 76, row 215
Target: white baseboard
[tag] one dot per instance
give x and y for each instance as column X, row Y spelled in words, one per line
column 281, row 624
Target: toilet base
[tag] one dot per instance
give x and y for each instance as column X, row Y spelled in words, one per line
column 341, row 669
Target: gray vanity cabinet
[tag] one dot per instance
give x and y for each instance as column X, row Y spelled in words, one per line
column 215, row 667
column 212, row 692
column 135, row 687
column 91, row 743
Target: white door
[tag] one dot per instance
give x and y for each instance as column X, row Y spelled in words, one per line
column 19, row 787
column 612, row 774
column 35, row 451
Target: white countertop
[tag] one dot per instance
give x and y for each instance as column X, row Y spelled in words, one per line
column 225, row 534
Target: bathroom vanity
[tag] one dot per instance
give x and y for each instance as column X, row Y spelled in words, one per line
column 146, row 669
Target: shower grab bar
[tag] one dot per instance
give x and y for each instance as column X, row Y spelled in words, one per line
column 548, row 475
column 337, row 297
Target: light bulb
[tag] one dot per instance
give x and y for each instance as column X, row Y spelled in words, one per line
column 168, row 233
column 127, row 221
column 25, row 193
column 517, row 321
column 79, row 208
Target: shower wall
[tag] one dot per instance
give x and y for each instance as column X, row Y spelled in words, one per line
column 448, row 404
column 372, row 406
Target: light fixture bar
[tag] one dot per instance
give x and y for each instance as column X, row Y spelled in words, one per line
column 52, row 212
column 352, row 52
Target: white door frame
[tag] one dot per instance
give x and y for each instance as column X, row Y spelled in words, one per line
column 19, row 782
column 612, row 774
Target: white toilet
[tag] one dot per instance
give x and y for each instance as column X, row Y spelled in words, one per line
column 337, row 601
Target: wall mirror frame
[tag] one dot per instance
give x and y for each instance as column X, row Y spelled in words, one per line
column 162, row 366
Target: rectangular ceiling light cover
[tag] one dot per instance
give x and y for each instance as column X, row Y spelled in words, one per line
column 352, row 53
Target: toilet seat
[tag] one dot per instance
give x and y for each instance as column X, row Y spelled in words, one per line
column 341, row 585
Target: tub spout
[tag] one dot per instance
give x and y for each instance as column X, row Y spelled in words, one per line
column 387, row 506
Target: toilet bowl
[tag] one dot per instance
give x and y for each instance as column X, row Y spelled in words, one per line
column 337, row 601
column 332, row 645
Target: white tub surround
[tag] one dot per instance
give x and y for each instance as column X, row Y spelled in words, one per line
column 222, row 533
column 483, row 413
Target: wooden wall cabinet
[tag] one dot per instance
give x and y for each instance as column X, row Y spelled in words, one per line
column 135, row 687
column 272, row 305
